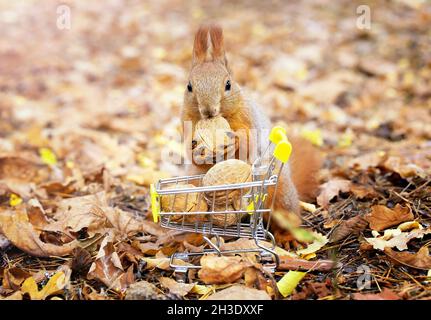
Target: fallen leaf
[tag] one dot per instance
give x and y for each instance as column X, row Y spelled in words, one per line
column 202, row 289
column 174, row 287
column 403, row 167
column 314, row 136
column 396, row 238
column 420, row 260
column 74, row 214
column 14, row 200
column 15, row 226
column 219, row 270
column 363, row 192
column 143, row 290
column 288, row 283
column 55, row 285
column 108, row 269
column 47, row 156
column 240, row 292
column 366, row 161
column 352, row 226
column 382, row 217
column 162, row 263
column 319, row 241
column 81, row 261
column 331, row 189
column 14, row 277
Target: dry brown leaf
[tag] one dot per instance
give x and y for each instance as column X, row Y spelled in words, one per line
column 13, row 167
column 93, row 214
column 365, row 161
column 419, row 260
column 347, row 227
column 174, row 287
column 14, row 277
column 108, row 269
column 331, row 189
column 81, row 261
column 382, row 217
column 143, row 290
column 15, row 226
column 255, row 278
column 162, row 263
column 363, row 192
column 386, row 294
column 36, row 214
column 75, row 214
column 403, row 167
column 240, row 292
column 219, row 270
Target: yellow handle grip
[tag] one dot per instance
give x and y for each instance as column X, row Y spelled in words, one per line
column 283, row 147
column 155, row 204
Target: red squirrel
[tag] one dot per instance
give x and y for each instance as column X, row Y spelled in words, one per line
column 212, row 91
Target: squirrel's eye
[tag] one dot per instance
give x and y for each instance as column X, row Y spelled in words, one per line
column 227, row 87
column 189, row 87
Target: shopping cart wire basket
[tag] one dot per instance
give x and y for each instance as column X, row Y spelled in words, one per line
column 250, row 218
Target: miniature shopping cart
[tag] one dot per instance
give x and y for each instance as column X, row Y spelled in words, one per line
column 253, row 214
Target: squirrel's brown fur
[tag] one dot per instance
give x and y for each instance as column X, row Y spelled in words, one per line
column 209, row 97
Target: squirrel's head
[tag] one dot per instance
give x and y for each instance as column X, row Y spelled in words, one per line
column 210, row 89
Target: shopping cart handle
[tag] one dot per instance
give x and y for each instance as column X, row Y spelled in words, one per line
column 283, row 148
column 155, row 204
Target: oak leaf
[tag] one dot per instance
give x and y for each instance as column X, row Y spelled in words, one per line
column 382, row 217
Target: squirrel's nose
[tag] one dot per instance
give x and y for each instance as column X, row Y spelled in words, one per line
column 209, row 112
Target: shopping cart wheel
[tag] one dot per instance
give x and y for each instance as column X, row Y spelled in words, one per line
column 181, row 276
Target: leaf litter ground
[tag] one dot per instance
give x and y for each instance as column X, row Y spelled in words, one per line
column 82, row 136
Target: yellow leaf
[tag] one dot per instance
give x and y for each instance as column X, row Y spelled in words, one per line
column 288, row 283
column 54, row 285
column 201, row 289
column 319, row 241
column 345, row 140
column 145, row 161
column 309, row 256
column 48, row 156
column 14, row 200
column 314, row 136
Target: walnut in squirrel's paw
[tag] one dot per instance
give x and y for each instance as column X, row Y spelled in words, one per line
column 213, row 140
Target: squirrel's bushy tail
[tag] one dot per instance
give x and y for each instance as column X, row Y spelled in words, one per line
column 305, row 163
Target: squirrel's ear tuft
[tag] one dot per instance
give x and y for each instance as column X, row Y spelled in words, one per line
column 200, row 46
column 209, row 44
column 216, row 34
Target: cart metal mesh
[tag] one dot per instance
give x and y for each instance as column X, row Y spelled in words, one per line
column 247, row 216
